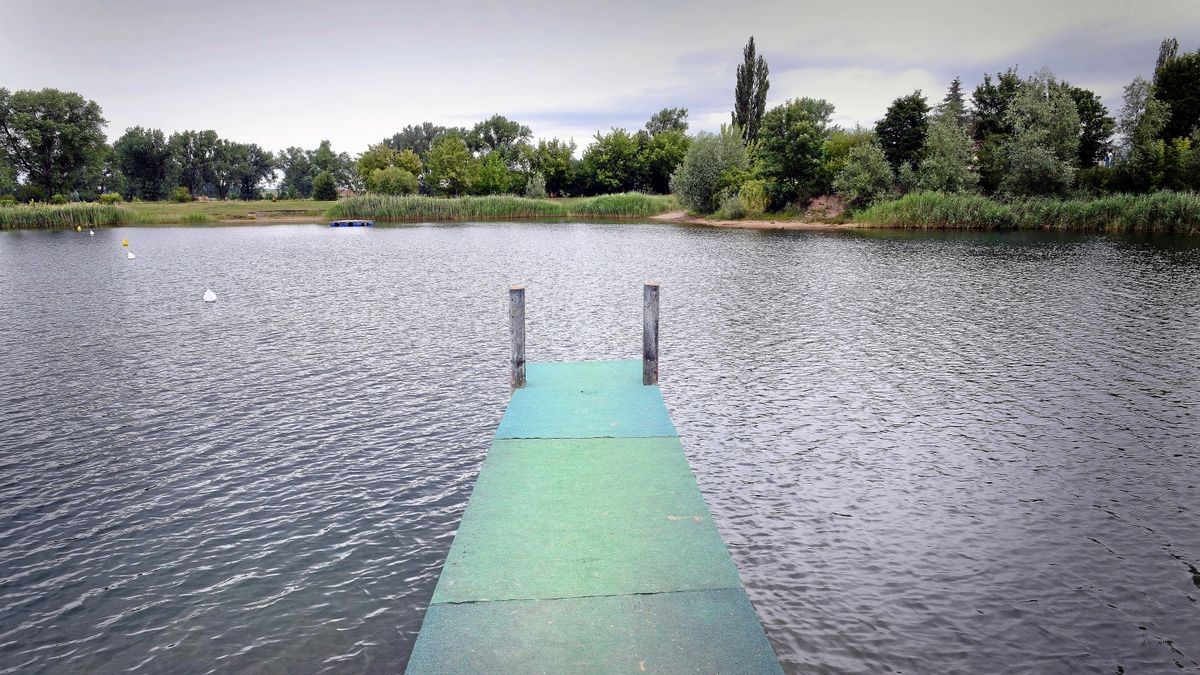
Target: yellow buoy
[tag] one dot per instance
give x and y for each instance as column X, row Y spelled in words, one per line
column 79, row 228
column 124, row 242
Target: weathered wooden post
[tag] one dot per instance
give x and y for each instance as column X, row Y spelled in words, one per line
column 516, row 322
column 650, row 333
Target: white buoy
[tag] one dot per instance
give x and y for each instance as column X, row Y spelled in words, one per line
column 91, row 233
column 209, row 296
column 130, row 255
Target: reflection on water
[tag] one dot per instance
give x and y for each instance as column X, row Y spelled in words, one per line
column 926, row 451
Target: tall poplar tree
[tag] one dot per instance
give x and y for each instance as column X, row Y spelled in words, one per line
column 750, row 92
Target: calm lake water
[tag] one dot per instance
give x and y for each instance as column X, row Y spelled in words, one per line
column 927, row 452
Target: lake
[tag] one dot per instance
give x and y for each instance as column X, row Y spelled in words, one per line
column 927, row 452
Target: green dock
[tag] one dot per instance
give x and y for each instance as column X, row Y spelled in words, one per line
column 586, row 545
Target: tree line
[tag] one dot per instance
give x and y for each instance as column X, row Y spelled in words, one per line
column 1014, row 136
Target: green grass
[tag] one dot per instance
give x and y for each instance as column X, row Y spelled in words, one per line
column 44, row 216
column 167, row 213
column 498, row 207
column 1156, row 212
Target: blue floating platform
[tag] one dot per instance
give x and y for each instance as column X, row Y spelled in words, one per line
column 352, row 223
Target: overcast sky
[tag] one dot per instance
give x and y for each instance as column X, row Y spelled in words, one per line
column 293, row 73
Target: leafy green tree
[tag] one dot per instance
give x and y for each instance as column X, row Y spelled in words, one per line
column 1177, row 160
column 409, row 161
column 668, row 119
column 8, row 178
column 498, row 134
column 419, row 138
column 1041, row 153
column 1177, row 84
column 241, row 168
column 195, row 155
column 948, row 156
column 789, row 150
column 612, row 163
column 324, row 187
column 1142, row 120
column 54, row 138
column 1168, row 50
column 658, row 157
column 866, row 178
column 1095, row 125
column 901, row 132
column 449, row 165
column 378, row 156
column 144, row 158
column 298, row 173
column 990, row 124
column 555, row 161
column 490, row 175
column 836, row 150
column 392, row 180
column 713, row 165
column 750, row 93
column 337, row 164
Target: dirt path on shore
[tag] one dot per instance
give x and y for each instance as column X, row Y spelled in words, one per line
column 683, row 218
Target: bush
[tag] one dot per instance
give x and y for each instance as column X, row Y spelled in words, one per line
column 30, row 193
column 711, row 163
column 59, row 199
column 866, row 177
column 535, row 188
column 8, row 200
column 754, row 197
column 732, row 208
column 324, row 189
column 181, row 195
column 111, row 198
column 391, row 181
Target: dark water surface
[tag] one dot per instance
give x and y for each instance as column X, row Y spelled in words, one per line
column 927, row 453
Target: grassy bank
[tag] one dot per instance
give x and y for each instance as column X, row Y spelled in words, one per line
column 168, row 213
column 1157, row 212
column 499, row 207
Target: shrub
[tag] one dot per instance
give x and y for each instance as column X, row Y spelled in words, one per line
column 866, row 177
column 754, row 197
column 732, row 208
column 111, row 198
column 7, row 200
column 181, row 194
column 535, row 188
column 392, row 181
column 30, row 193
column 59, row 199
column 711, row 162
column 324, row 189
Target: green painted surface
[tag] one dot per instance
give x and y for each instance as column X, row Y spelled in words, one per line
column 692, row 632
column 601, row 516
column 586, row 546
column 585, row 399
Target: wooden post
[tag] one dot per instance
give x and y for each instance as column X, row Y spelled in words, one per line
column 650, row 333
column 516, row 322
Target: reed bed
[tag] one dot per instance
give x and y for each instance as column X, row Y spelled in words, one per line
column 1155, row 212
column 45, row 216
column 496, row 207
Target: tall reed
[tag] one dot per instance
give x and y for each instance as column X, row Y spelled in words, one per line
column 44, row 216
column 496, row 207
column 1155, row 212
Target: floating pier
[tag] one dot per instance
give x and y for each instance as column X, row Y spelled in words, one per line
column 352, row 223
column 586, row 545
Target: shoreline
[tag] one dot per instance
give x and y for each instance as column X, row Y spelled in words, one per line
column 682, row 218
